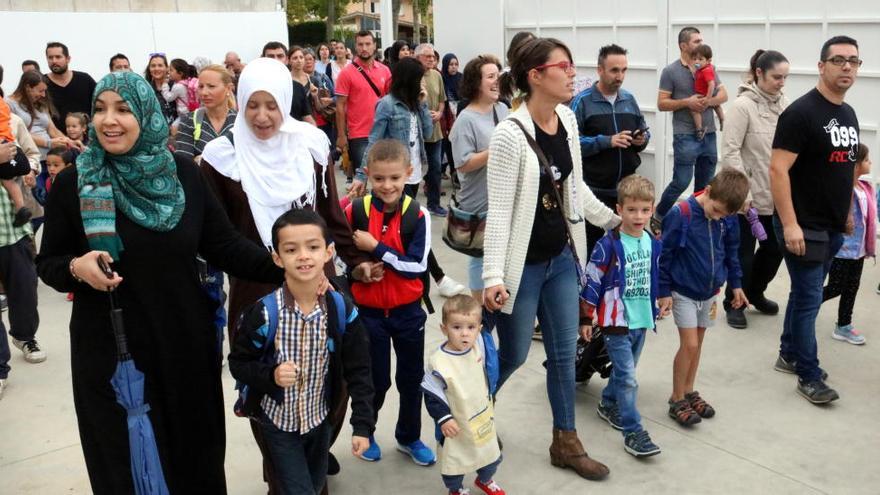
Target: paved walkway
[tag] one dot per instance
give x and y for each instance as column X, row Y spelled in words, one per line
column 764, row 439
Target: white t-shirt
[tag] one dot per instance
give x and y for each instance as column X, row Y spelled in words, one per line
column 415, row 151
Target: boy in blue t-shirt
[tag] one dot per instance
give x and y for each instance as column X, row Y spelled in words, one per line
column 622, row 283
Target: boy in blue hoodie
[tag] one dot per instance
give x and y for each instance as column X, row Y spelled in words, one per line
column 622, row 284
column 700, row 243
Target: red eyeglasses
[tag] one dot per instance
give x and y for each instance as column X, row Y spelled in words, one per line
column 564, row 65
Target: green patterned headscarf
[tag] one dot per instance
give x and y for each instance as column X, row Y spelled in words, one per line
column 142, row 183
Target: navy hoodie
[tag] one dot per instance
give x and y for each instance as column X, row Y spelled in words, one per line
column 708, row 258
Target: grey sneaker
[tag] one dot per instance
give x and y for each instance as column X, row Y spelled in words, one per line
column 817, row 392
column 611, row 414
column 784, row 366
column 31, row 350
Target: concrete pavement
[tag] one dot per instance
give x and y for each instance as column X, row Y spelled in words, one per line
column 764, row 439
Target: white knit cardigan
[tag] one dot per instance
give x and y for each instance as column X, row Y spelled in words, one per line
column 513, row 173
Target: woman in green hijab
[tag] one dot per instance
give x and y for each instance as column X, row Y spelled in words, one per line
column 130, row 202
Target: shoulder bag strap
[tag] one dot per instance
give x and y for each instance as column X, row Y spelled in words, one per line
column 367, row 77
column 546, row 165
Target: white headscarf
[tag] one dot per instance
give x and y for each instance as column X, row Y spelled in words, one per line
column 278, row 173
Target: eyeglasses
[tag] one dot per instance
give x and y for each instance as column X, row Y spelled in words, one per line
column 564, row 65
column 840, row 61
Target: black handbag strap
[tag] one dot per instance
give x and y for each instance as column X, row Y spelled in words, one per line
column 556, row 186
column 367, row 77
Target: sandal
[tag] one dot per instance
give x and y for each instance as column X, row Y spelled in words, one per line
column 699, row 405
column 683, row 413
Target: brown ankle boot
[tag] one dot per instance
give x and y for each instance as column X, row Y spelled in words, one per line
column 566, row 451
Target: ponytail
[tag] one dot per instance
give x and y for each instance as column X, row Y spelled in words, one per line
column 764, row 60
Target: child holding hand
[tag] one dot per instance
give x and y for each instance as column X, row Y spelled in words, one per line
column 459, row 383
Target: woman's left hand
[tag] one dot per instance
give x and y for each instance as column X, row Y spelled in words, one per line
column 324, row 286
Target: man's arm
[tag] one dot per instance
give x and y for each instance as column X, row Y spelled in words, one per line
column 341, row 131
column 781, row 162
column 694, row 103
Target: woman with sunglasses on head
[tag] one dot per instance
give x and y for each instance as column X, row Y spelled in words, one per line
column 157, row 75
column 529, row 266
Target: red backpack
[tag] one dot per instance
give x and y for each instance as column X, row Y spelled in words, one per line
column 192, row 93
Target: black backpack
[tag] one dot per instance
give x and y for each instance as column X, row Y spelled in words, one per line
column 409, row 208
column 591, row 357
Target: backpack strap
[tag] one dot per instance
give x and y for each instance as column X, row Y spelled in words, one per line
column 685, row 208
column 360, row 212
column 271, row 304
column 197, row 126
column 409, row 219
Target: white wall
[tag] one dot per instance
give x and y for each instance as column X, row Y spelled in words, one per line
column 94, row 37
column 649, row 28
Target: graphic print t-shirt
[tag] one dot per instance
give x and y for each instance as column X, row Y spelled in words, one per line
column 637, row 295
column 825, row 137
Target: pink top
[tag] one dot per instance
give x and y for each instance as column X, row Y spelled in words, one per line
column 360, row 106
column 702, row 78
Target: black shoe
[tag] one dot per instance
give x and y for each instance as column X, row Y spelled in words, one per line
column 784, row 366
column 817, row 392
column 764, row 305
column 22, row 216
column 736, row 318
column 332, row 465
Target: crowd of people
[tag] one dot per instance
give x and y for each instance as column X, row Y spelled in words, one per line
column 195, row 171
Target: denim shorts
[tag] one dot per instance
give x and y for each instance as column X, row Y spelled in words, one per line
column 689, row 313
column 475, row 273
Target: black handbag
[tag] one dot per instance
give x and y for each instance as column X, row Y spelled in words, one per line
column 816, row 246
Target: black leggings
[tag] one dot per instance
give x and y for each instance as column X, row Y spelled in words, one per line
column 843, row 281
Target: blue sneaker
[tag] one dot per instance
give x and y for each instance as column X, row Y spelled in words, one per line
column 437, row 211
column 848, row 333
column 611, row 414
column 639, row 444
column 419, row 452
column 374, row 453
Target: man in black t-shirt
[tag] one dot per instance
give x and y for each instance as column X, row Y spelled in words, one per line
column 811, row 178
column 70, row 90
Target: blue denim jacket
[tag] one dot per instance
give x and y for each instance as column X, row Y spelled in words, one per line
column 391, row 121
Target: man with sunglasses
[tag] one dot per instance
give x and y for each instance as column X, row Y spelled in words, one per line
column 811, row 178
column 612, row 132
column 70, row 90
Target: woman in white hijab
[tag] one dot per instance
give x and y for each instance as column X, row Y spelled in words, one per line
column 270, row 164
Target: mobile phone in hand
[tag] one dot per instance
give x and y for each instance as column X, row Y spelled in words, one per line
column 105, row 267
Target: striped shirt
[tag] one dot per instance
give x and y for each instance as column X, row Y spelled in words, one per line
column 302, row 339
column 9, row 235
column 187, row 145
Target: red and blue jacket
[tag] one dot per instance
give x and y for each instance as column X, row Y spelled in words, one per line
column 606, row 282
column 404, row 237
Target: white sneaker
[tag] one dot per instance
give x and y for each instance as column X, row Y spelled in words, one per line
column 448, row 287
column 2, row 386
column 31, row 350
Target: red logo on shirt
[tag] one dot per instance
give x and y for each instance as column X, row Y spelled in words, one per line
column 838, row 157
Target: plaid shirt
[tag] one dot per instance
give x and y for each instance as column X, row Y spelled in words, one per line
column 302, row 339
column 9, row 235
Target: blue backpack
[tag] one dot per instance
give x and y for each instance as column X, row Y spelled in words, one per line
column 248, row 403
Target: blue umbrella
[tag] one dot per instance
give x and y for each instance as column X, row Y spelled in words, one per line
column 128, row 383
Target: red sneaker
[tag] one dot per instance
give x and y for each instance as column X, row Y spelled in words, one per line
column 491, row 488
column 70, row 296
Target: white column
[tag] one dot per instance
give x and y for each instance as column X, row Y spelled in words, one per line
column 386, row 16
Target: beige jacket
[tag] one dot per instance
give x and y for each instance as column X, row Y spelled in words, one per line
column 513, row 173
column 749, row 125
column 27, row 145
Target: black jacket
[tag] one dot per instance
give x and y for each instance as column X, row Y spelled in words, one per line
column 351, row 361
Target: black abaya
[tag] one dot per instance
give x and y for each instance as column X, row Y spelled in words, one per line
column 169, row 322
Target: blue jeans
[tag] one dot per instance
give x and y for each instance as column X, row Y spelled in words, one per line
column 624, row 352
column 694, row 159
column 300, row 461
column 432, row 175
column 550, row 291
column 454, row 482
column 798, row 341
column 356, row 150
